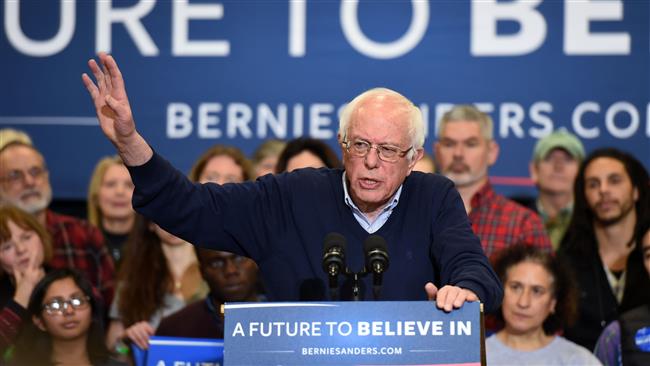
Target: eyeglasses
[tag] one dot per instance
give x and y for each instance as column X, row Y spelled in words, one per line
column 387, row 153
column 16, row 177
column 59, row 306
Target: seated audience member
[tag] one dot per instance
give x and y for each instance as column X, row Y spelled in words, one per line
column 66, row 327
column 306, row 153
column 221, row 164
column 159, row 275
column 8, row 135
column 109, row 203
column 231, row 278
column 555, row 164
column 603, row 241
column 425, row 165
column 539, row 299
column 464, row 151
column 619, row 344
column 266, row 156
column 25, row 246
column 25, row 183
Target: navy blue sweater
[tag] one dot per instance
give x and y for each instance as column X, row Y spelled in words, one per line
column 280, row 222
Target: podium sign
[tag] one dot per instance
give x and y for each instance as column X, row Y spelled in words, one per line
column 351, row 333
column 175, row 351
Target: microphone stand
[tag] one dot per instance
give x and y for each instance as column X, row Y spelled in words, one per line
column 356, row 277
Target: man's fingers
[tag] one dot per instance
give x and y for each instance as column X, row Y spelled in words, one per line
column 441, row 299
column 471, row 296
column 460, row 299
column 90, row 86
column 97, row 73
column 431, row 291
column 116, row 75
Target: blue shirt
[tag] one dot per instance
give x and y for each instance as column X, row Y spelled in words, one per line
column 370, row 226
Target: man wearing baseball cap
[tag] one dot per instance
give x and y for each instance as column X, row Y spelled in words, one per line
column 554, row 167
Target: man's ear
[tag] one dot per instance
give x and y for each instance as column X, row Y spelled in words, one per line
column 493, row 152
column 419, row 153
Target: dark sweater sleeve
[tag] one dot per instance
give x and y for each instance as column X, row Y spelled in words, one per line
column 458, row 252
column 233, row 217
column 11, row 320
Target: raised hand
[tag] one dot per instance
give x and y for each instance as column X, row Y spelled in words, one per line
column 449, row 297
column 114, row 111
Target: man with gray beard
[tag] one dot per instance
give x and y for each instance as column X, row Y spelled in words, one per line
column 25, row 183
column 464, row 151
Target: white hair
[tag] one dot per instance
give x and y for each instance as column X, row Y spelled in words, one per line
column 467, row 112
column 416, row 124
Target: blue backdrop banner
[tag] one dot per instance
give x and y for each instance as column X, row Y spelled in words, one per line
column 352, row 333
column 201, row 72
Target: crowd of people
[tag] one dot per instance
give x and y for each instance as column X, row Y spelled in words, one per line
column 565, row 275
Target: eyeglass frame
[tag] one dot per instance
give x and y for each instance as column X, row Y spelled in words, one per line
column 235, row 259
column 85, row 300
column 399, row 152
column 18, row 176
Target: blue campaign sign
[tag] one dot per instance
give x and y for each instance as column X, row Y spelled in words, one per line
column 352, row 333
column 201, row 72
column 175, row 351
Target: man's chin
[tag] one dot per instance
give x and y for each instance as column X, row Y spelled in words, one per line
column 32, row 207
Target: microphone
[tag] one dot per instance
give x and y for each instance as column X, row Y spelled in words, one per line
column 376, row 252
column 334, row 260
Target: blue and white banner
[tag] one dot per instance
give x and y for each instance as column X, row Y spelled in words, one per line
column 352, row 333
column 201, row 72
column 175, row 351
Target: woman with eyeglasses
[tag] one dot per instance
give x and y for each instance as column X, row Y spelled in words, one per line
column 25, row 246
column 66, row 327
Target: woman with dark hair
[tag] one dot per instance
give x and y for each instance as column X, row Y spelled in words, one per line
column 159, row 276
column 306, row 153
column 603, row 241
column 221, row 164
column 66, row 327
column 539, row 299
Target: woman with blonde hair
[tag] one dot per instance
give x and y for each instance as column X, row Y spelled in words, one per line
column 109, row 203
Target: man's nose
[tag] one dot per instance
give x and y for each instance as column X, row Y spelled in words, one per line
column 458, row 150
column 372, row 158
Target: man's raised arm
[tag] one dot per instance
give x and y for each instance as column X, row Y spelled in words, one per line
column 114, row 112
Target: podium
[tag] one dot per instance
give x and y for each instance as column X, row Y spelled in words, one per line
column 353, row 333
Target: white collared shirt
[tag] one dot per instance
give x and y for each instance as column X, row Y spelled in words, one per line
column 370, row 226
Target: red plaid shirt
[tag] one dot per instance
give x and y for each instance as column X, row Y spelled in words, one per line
column 500, row 223
column 79, row 245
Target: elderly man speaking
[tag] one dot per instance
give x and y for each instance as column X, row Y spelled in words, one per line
column 280, row 221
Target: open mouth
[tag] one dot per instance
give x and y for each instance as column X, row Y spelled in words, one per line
column 367, row 183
